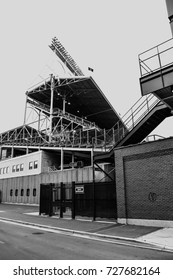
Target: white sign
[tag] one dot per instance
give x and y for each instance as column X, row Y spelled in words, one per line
column 79, row 189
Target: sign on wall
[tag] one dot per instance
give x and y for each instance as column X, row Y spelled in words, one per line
column 79, row 189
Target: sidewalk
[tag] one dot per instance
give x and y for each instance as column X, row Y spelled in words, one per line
column 161, row 238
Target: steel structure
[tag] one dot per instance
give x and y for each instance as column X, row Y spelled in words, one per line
column 73, row 112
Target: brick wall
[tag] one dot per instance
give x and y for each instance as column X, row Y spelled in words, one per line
column 144, row 181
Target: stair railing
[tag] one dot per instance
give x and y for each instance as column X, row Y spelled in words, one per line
column 132, row 117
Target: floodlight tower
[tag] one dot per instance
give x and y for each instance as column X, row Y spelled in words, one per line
column 65, row 57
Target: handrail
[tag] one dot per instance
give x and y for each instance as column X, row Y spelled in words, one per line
column 131, row 118
column 156, row 57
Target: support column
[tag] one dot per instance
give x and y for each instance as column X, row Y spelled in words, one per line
column 72, row 160
column 64, row 101
column 62, row 159
column 94, row 202
column 92, row 156
column 39, row 113
column 51, row 105
column 24, row 122
column 12, row 152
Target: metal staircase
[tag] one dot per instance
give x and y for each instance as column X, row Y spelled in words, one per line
column 139, row 121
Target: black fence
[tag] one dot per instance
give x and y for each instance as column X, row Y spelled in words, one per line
column 87, row 200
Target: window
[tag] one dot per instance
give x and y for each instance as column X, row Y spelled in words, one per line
column 7, row 169
column 34, row 192
column 11, row 192
column 4, row 170
column 14, row 168
column 21, row 167
column 30, row 165
column 16, row 192
column 0, row 170
column 22, row 192
column 35, row 164
column 17, row 168
column 28, row 192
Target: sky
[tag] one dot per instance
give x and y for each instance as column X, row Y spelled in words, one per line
column 106, row 35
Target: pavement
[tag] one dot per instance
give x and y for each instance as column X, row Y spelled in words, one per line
column 155, row 238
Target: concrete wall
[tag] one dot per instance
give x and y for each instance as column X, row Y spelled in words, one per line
column 144, row 182
column 23, row 186
column 6, row 166
column 8, row 185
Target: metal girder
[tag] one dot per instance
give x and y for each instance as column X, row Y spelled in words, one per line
column 59, row 82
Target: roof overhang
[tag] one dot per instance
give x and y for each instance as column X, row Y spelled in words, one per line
column 83, row 98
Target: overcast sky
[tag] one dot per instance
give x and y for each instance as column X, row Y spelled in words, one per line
column 106, row 35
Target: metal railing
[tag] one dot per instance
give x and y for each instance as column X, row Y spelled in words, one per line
column 156, row 58
column 133, row 117
column 68, row 116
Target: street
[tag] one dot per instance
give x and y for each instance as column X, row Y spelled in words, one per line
column 23, row 243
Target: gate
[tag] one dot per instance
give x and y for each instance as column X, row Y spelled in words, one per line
column 55, row 199
column 96, row 200
column 46, row 199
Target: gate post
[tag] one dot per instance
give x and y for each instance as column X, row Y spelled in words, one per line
column 73, row 200
column 51, row 199
column 61, row 200
column 94, row 202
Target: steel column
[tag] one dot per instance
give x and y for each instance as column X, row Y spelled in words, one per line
column 51, row 105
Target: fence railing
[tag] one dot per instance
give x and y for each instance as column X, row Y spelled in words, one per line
column 156, row 58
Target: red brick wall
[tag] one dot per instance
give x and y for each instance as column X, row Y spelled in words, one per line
column 144, row 181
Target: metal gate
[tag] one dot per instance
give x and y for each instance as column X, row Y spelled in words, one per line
column 55, row 199
column 96, row 200
column 45, row 206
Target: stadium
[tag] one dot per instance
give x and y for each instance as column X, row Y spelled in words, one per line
column 75, row 154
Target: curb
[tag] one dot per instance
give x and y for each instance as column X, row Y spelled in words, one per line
column 98, row 236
